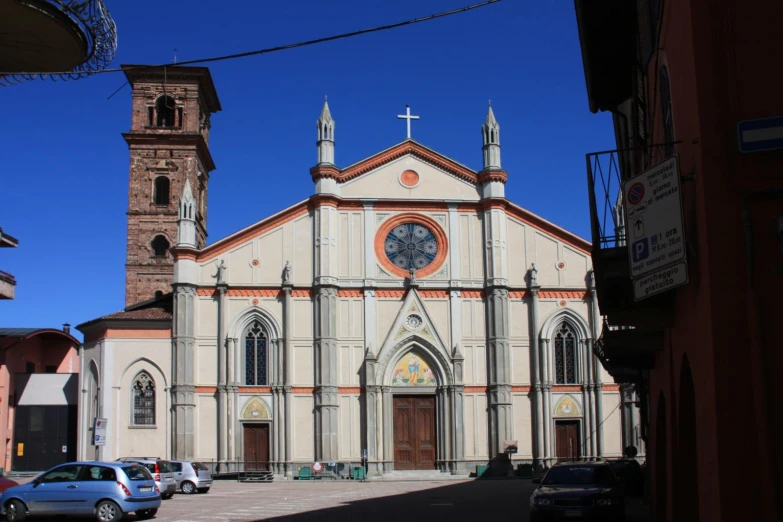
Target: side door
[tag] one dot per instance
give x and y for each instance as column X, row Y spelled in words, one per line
column 176, row 469
column 57, row 491
column 96, row 482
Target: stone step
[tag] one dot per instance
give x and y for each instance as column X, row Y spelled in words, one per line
column 408, row 476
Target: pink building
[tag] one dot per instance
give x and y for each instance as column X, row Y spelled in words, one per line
column 38, row 397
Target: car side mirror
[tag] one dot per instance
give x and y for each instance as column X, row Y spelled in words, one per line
column 36, row 482
column 536, row 481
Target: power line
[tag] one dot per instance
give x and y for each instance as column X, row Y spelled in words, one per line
column 278, row 48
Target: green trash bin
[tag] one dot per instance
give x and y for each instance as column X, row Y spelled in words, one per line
column 482, row 470
column 525, row 470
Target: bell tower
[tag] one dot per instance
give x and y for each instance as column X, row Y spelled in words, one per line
column 169, row 146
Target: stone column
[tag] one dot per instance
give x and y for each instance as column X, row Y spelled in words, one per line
column 458, row 420
column 222, row 398
column 500, row 404
column 238, row 380
column 535, row 366
column 183, row 387
column 596, row 364
column 584, row 375
column 326, row 402
column 372, row 390
column 231, row 392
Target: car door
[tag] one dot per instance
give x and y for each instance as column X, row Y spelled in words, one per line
column 57, row 491
column 176, row 468
column 96, row 482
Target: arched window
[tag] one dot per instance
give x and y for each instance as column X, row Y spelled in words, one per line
column 160, row 246
column 165, row 109
column 143, row 400
column 256, row 343
column 565, row 355
column 162, row 185
column 666, row 113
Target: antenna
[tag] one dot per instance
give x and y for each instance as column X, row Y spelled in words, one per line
column 175, row 55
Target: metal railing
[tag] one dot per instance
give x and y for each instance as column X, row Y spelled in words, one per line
column 98, row 29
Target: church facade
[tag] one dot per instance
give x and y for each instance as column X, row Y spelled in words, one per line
column 406, row 312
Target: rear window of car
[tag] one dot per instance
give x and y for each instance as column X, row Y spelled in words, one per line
column 579, row 475
column 199, row 466
column 135, row 472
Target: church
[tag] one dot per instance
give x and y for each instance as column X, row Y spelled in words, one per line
column 406, row 312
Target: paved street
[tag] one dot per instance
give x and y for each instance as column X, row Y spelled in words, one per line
column 348, row 501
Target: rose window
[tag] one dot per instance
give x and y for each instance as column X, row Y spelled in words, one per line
column 411, row 246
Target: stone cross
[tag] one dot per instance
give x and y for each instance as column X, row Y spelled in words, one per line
column 407, row 116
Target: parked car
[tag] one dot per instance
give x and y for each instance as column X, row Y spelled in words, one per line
column 6, row 483
column 629, row 472
column 161, row 471
column 107, row 490
column 191, row 476
column 578, row 490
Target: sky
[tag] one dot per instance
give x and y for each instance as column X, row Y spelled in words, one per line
column 64, row 164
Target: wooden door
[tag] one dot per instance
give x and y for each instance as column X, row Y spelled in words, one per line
column 567, row 440
column 414, row 432
column 256, row 446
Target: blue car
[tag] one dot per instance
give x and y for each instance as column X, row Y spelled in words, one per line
column 107, row 490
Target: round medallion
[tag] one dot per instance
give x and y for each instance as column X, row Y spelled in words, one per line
column 409, row 178
column 411, row 246
column 413, row 322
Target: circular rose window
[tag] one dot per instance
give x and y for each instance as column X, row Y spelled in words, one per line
column 411, row 245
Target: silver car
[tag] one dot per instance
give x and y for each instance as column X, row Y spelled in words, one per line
column 161, row 471
column 191, row 476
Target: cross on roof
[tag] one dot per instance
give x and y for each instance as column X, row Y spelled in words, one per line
column 407, row 116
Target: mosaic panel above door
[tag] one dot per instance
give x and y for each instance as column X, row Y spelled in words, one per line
column 412, row 370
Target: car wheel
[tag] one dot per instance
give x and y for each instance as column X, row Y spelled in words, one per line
column 203, row 490
column 188, row 487
column 15, row 511
column 167, row 496
column 108, row 511
column 145, row 514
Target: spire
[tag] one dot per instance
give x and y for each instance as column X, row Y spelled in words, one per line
column 490, row 132
column 186, row 220
column 325, row 136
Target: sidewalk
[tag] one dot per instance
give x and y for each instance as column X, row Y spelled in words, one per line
column 637, row 511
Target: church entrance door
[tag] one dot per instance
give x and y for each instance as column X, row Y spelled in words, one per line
column 567, row 440
column 256, row 447
column 414, row 432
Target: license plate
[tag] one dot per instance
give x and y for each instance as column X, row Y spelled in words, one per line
column 573, row 513
column 145, row 489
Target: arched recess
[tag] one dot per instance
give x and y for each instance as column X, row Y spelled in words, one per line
column 255, row 313
column 272, row 333
column 685, row 487
column 93, row 386
column 574, row 320
column 156, row 374
column 433, row 356
column 659, row 449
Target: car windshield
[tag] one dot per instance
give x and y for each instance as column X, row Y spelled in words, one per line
column 135, row 472
column 199, row 466
column 579, row 475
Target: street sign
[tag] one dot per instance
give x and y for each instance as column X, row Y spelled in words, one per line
column 653, row 212
column 660, row 281
column 99, row 432
column 317, row 466
column 761, row 134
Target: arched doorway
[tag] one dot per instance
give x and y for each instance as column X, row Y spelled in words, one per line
column 685, row 490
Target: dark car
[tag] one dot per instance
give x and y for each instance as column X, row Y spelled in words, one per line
column 629, row 472
column 6, row 483
column 578, row 491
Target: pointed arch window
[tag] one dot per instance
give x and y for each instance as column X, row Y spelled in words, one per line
column 565, row 355
column 143, row 400
column 256, row 355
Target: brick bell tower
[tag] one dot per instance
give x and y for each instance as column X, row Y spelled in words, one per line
column 169, row 143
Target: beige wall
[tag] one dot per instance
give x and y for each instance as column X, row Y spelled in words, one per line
column 613, row 438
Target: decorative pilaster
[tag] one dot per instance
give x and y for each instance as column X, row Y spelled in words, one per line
column 222, row 397
column 284, row 392
column 458, row 418
column 596, row 364
column 326, row 401
column 372, row 392
column 183, row 402
column 546, row 386
column 501, row 420
column 388, row 428
column 538, row 407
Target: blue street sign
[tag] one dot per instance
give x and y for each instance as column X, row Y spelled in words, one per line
column 761, row 134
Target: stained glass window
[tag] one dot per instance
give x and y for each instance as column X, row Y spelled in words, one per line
column 411, row 246
column 143, row 400
column 565, row 356
column 255, row 356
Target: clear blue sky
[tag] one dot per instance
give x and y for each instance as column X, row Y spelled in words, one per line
column 64, row 163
